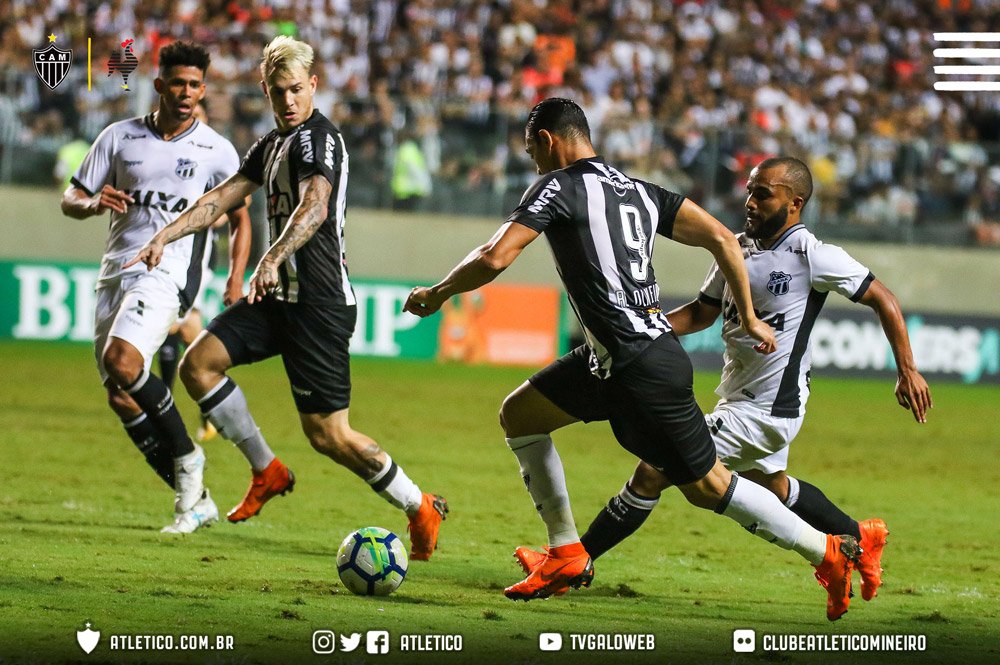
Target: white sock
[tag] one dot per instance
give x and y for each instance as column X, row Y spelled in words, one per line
column 761, row 513
column 393, row 485
column 225, row 406
column 542, row 472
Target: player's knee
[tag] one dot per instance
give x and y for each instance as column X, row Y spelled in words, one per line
column 122, row 362
column 647, row 481
column 329, row 439
column 195, row 374
column 513, row 416
column 709, row 490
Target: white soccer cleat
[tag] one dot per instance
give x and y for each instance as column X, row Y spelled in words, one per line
column 204, row 513
column 189, row 472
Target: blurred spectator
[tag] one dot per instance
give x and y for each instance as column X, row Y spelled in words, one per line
column 411, row 179
column 696, row 91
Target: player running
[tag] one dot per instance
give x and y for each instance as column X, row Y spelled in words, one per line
column 301, row 304
column 601, row 225
column 764, row 397
column 145, row 171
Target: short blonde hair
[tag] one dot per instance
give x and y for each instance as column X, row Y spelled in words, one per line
column 283, row 54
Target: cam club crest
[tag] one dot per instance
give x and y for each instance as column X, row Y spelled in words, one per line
column 52, row 63
column 185, row 168
column 778, row 284
column 88, row 639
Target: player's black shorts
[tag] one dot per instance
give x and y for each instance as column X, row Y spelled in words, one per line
column 649, row 403
column 312, row 340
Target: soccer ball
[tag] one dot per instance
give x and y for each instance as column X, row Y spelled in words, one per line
column 372, row 561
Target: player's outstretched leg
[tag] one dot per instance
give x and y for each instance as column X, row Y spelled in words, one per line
column 126, row 366
column 760, row 512
column 620, row 518
column 225, row 406
column 812, row 505
column 143, row 433
column 332, row 435
column 203, row 372
column 528, row 417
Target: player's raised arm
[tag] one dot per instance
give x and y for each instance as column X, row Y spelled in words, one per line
column 912, row 391
column 481, row 266
column 694, row 226
column 206, row 210
column 308, row 216
column 240, row 237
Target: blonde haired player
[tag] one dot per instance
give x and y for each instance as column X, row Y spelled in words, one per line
column 301, row 305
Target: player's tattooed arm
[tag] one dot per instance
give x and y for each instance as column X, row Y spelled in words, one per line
column 198, row 217
column 308, row 216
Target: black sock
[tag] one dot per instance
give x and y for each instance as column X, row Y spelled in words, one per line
column 154, row 398
column 820, row 513
column 622, row 517
column 145, row 437
column 170, row 356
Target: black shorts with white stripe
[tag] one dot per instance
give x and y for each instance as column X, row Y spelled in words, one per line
column 312, row 340
column 649, row 403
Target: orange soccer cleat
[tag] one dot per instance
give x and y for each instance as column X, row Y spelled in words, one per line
column 873, row 539
column 274, row 480
column 528, row 558
column 424, row 525
column 834, row 574
column 563, row 567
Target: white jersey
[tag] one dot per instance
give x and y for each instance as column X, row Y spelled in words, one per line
column 788, row 283
column 165, row 178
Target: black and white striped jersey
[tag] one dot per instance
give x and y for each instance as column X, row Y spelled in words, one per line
column 317, row 272
column 789, row 283
column 600, row 225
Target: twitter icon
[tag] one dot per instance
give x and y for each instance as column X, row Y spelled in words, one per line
column 350, row 642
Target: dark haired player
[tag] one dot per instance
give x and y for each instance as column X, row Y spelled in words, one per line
column 601, row 225
column 301, row 304
column 146, row 171
column 763, row 398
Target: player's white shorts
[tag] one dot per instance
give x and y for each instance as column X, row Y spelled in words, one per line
column 138, row 308
column 749, row 438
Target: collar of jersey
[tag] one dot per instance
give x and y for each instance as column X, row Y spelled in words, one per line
column 781, row 239
column 148, row 121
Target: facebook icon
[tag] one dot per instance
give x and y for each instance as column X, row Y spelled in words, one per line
column 378, row 641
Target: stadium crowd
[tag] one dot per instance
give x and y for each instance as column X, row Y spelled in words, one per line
column 688, row 94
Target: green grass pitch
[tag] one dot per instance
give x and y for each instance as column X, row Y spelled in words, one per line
column 80, row 514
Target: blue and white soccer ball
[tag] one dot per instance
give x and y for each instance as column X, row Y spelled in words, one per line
column 372, row 561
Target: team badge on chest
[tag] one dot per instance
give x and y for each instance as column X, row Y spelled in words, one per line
column 778, row 283
column 185, row 168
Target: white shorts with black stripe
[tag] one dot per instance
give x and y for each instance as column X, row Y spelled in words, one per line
column 137, row 307
column 748, row 438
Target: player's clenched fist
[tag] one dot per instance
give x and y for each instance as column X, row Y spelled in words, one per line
column 264, row 280
column 422, row 301
column 764, row 334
